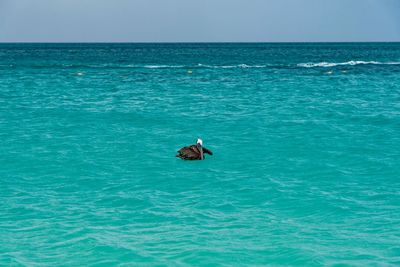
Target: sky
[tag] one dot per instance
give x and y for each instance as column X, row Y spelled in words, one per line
column 199, row 20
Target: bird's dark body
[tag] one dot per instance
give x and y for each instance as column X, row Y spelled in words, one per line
column 192, row 152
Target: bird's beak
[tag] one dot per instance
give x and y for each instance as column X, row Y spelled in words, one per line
column 201, row 151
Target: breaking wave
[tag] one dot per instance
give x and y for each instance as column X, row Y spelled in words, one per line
column 244, row 66
column 348, row 63
column 158, row 66
column 199, row 66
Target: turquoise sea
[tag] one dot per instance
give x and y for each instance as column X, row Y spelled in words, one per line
column 305, row 171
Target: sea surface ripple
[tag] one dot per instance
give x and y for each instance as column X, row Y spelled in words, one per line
column 305, row 171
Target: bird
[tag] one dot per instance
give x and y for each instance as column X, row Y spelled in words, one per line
column 193, row 152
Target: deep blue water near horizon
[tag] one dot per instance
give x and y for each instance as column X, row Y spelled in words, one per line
column 305, row 171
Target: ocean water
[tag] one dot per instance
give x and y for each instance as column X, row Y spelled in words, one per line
column 305, row 171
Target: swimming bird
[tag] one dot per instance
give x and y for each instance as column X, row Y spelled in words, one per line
column 193, row 152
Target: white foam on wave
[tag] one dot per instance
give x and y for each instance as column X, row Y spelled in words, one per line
column 162, row 66
column 244, row 66
column 197, row 66
column 348, row 63
column 174, row 66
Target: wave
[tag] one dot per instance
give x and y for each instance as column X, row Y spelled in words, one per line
column 243, row 66
column 134, row 66
column 200, row 66
column 348, row 63
column 158, row 66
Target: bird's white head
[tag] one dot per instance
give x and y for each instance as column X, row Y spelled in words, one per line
column 199, row 141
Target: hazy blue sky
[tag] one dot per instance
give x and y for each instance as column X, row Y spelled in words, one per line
column 201, row 20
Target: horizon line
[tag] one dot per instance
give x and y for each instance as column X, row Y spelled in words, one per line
column 187, row 42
